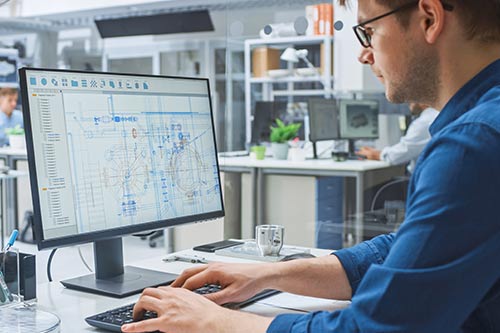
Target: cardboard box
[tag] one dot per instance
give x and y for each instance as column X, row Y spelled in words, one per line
column 322, row 60
column 264, row 59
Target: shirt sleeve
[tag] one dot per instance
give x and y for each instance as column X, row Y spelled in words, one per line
column 443, row 259
column 357, row 259
column 410, row 145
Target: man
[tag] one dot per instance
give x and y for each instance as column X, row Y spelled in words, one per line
column 440, row 272
column 9, row 116
column 411, row 144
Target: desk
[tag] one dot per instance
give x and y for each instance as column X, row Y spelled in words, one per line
column 11, row 157
column 321, row 167
column 73, row 307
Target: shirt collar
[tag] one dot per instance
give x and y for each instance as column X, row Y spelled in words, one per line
column 467, row 96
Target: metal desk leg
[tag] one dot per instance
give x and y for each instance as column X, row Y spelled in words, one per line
column 10, row 210
column 260, row 197
column 359, row 206
column 3, row 196
column 254, row 208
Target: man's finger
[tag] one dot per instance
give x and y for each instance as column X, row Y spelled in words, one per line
column 179, row 282
column 149, row 325
column 146, row 303
column 197, row 281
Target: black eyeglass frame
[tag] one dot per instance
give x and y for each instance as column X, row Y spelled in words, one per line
column 365, row 39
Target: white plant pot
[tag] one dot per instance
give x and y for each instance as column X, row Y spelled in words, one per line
column 17, row 142
column 280, row 150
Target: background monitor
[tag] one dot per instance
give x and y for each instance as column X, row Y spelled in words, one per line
column 115, row 154
column 358, row 119
column 264, row 116
column 323, row 119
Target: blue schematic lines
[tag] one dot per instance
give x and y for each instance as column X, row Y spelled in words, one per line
column 142, row 157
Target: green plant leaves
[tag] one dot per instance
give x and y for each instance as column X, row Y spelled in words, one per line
column 283, row 133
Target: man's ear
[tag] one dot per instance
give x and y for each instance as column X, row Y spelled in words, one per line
column 432, row 17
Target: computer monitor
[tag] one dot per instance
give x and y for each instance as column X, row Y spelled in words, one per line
column 116, row 154
column 358, row 120
column 323, row 121
column 264, row 116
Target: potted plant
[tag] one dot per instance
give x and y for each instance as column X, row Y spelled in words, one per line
column 280, row 136
column 16, row 137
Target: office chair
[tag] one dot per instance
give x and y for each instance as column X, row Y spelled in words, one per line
column 395, row 189
column 387, row 208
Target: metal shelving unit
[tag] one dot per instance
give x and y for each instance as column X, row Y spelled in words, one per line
column 269, row 91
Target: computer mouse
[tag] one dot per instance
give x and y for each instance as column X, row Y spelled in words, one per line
column 302, row 255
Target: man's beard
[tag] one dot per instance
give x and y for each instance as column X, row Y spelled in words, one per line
column 420, row 83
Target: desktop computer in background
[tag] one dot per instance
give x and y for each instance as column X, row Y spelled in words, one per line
column 264, row 117
column 116, row 154
column 323, row 121
column 358, row 119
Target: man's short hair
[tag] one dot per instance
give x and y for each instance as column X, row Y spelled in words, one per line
column 480, row 18
column 8, row 92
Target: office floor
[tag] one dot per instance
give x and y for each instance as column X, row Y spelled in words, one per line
column 67, row 263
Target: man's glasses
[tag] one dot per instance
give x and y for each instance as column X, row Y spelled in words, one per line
column 365, row 35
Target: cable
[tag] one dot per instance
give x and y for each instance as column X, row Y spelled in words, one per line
column 49, row 262
column 375, row 197
column 83, row 260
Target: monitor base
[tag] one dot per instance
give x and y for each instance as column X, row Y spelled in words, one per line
column 133, row 281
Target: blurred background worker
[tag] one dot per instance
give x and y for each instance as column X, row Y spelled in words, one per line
column 9, row 116
column 411, row 144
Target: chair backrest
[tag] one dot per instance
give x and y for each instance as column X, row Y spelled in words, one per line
column 393, row 191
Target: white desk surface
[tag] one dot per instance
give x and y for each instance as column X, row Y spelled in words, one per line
column 9, row 151
column 11, row 174
column 73, row 307
column 320, row 164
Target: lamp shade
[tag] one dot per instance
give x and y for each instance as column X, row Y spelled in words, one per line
column 290, row 54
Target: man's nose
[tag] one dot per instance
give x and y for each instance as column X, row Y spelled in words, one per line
column 366, row 56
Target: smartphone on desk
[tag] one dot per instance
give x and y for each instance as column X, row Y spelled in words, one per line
column 212, row 247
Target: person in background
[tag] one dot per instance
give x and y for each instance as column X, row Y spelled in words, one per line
column 411, row 144
column 9, row 116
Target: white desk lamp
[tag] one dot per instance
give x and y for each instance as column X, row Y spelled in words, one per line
column 293, row 55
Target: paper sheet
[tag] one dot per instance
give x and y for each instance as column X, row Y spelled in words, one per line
column 304, row 303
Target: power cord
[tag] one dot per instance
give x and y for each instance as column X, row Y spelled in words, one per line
column 83, row 260
column 49, row 262
column 51, row 256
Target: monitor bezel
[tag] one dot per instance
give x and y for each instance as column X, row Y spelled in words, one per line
column 115, row 232
column 341, row 109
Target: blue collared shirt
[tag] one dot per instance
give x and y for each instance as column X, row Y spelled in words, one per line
column 441, row 271
column 16, row 118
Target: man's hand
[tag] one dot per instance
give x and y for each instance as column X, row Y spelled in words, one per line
column 238, row 281
column 183, row 311
column 370, row 153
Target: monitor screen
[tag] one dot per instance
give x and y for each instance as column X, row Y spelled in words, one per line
column 113, row 154
column 358, row 119
column 323, row 119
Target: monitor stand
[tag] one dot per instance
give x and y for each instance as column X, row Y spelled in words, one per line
column 111, row 278
column 352, row 151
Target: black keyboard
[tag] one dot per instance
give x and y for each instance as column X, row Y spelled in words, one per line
column 112, row 320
